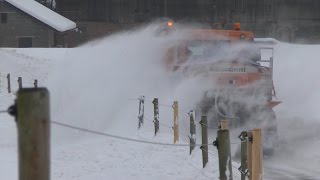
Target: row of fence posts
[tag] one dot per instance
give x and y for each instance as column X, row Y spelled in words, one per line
column 251, row 153
column 33, row 124
column 251, row 144
column 35, row 84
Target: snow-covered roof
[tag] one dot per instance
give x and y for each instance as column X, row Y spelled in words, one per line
column 45, row 15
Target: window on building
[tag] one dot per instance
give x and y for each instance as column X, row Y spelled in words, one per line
column 4, row 18
column 25, row 42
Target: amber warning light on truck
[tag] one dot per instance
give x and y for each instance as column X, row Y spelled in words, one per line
column 169, row 23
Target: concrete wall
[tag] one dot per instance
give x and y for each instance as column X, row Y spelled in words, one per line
column 19, row 25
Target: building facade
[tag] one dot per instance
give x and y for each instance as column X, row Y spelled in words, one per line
column 20, row 28
column 288, row 20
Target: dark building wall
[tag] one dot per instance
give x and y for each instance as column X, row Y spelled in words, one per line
column 131, row 11
column 116, row 11
column 297, row 10
column 253, row 11
column 246, row 11
column 288, row 20
column 20, row 25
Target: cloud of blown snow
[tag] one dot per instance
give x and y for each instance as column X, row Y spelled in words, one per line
column 296, row 71
column 95, row 85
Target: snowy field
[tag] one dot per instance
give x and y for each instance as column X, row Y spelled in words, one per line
column 95, row 86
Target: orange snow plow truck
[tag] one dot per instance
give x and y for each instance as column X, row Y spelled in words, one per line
column 240, row 70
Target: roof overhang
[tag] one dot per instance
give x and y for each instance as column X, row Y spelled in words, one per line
column 44, row 14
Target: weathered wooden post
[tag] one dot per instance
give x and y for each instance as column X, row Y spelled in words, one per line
column 192, row 135
column 20, row 82
column 204, row 147
column 156, row 115
column 224, row 152
column 256, row 155
column 141, row 112
column 33, row 123
column 175, row 121
column 9, row 83
column 35, row 83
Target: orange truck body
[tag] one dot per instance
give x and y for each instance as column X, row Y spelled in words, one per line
column 225, row 72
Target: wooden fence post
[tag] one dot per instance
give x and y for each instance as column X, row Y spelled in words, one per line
column 192, row 135
column 33, row 122
column 35, row 83
column 9, row 83
column 156, row 115
column 256, row 155
column 141, row 112
column 224, row 152
column 175, row 121
column 204, row 147
column 20, row 82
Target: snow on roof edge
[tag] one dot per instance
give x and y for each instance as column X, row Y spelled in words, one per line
column 44, row 14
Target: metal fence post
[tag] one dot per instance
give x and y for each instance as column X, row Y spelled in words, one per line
column 249, row 153
column 192, row 135
column 35, row 83
column 20, row 82
column 156, row 115
column 141, row 112
column 9, row 83
column 244, row 144
column 204, row 147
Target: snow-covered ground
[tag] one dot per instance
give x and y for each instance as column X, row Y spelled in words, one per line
column 95, row 87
